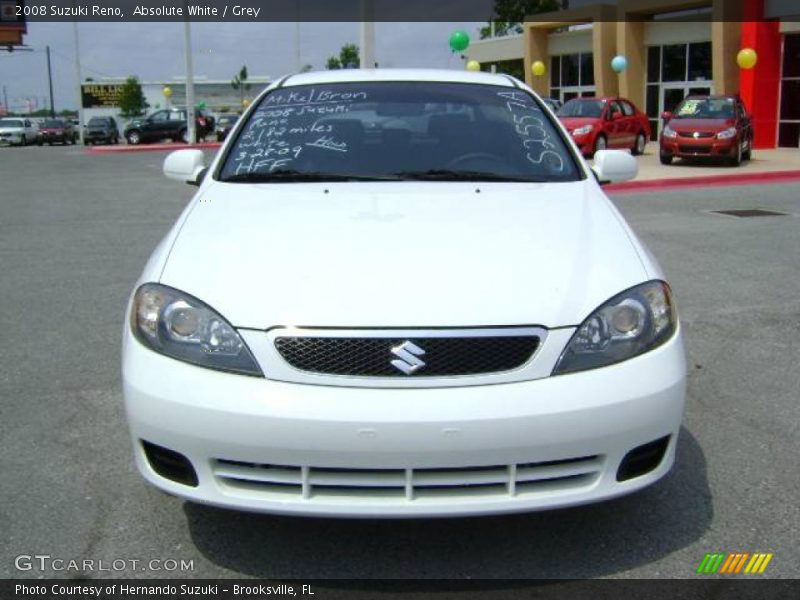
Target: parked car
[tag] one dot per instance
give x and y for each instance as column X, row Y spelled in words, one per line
column 609, row 122
column 17, row 130
column 381, row 324
column 168, row 124
column 101, row 130
column 57, row 131
column 553, row 103
column 704, row 127
column 225, row 123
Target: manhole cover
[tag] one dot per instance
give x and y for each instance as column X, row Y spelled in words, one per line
column 750, row 212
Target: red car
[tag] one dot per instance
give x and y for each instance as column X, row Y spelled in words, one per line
column 600, row 123
column 707, row 127
column 57, row 130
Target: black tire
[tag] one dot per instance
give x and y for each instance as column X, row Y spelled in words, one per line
column 600, row 143
column 666, row 159
column 748, row 154
column 134, row 137
column 736, row 159
column 640, row 144
column 39, row 142
column 183, row 136
column 23, row 141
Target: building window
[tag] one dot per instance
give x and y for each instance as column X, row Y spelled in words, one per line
column 673, row 72
column 673, row 64
column 789, row 125
column 571, row 76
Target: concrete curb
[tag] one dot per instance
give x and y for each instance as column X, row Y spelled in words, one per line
column 653, row 185
column 149, row 148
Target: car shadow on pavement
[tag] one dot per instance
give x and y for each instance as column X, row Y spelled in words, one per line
column 590, row 541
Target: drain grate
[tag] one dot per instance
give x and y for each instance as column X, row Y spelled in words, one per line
column 750, row 212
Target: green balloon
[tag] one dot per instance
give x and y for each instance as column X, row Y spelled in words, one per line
column 201, row 105
column 459, row 41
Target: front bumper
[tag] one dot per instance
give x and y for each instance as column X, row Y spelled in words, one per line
column 684, row 147
column 269, row 446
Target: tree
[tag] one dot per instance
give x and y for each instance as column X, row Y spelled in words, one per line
column 509, row 14
column 131, row 99
column 348, row 58
column 239, row 82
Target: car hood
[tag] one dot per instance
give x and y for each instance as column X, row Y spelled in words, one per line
column 403, row 254
column 575, row 122
column 714, row 125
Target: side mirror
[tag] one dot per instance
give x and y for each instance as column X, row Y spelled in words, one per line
column 613, row 166
column 666, row 115
column 185, row 165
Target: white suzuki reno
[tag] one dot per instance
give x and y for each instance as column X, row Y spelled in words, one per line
column 401, row 293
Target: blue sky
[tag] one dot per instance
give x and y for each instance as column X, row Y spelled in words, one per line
column 154, row 51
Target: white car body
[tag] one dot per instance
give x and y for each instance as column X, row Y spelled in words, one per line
column 401, row 260
column 22, row 133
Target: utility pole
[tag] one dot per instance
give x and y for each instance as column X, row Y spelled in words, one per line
column 50, row 83
column 5, row 98
column 78, row 78
column 187, row 34
column 367, row 34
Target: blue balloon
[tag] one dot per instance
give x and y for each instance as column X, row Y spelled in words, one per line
column 619, row 63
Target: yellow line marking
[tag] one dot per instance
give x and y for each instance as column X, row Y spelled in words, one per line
column 765, row 563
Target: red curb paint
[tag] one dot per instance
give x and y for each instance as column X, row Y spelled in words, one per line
column 703, row 181
column 150, row 148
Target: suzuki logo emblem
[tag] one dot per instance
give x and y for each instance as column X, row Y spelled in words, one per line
column 408, row 360
column 696, row 134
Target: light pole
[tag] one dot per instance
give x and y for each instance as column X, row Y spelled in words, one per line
column 187, row 34
column 78, row 80
column 367, row 34
column 50, row 83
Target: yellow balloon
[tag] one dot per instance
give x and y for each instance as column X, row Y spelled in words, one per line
column 538, row 68
column 747, row 58
column 245, row 103
column 167, row 91
column 473, row 65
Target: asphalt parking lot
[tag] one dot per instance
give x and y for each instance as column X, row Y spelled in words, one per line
column 75, row 232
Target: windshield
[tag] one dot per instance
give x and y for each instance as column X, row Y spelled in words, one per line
column 10, row 123
column 98, row 122
column 398, row 130
column 706, row 108
column 53, row 124
column 580, row 107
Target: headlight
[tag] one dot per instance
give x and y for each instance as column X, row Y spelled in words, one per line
column 180, row 326
column 669, row 132
column 628, row 325
column 727, row 134
column 583, row 130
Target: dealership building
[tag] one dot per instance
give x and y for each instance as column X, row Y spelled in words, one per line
column 673, row 48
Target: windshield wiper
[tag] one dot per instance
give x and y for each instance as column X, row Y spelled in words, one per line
column 291, row 175
column 451, row 175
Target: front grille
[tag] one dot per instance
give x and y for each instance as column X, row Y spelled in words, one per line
column 373, row 357
column 694, row 149
column 700, row 134
column 324, row 483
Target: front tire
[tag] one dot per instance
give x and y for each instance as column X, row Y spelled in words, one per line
column 666, row 159
column 736, row 159
column 134, row 138
column 183, row 136
column 23, row 141
column 640, row 144
column 599, row 144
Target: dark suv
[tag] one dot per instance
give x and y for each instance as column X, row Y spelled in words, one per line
column 168, row 124
column 101, row 129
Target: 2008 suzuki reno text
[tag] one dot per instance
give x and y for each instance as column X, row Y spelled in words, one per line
column 401, row 293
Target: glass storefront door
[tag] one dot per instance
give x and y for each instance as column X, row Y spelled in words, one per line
column 789, row 123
